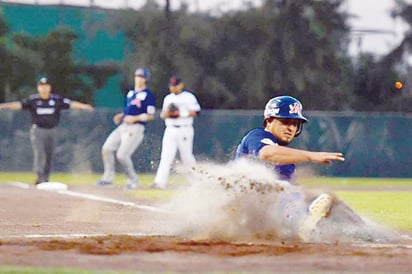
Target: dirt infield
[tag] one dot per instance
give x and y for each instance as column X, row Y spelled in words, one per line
column 48, row 229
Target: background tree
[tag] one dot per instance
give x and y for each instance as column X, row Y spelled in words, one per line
column 52, row 56
column 240, row 59
column 6, row 58
column 236, row 60
column 374, row 78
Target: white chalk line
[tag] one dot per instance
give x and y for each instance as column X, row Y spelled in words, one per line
column 20, row 185
column 376, row 245
column 110, row 200
column 95, row 198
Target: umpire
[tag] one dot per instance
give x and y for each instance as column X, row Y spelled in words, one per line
column 45, row 110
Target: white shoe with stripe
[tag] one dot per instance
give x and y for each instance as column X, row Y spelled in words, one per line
column 317, row 210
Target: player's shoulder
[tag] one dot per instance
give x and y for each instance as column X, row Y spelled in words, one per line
column 34, row 96
column 149, row 91
column 188, row 92
column 150, row 95
column 257, row 131
column 169, row 96
column 57, row 96
column 260, row 135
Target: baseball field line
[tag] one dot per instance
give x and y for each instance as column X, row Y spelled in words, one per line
column 94, row 198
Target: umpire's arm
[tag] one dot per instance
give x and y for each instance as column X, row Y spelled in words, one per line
column 11, row 105
column 79, row 105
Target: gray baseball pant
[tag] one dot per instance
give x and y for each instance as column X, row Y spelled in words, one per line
column 43, row 142
column 120, row 145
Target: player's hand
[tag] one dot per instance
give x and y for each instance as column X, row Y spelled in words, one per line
column 129, row 119
column 326, row 157
column 118, row 118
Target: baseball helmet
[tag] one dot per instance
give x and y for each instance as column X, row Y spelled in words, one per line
column 285, row 107
column 142, row 72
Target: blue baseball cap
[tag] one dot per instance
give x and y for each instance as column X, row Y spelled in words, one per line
column 142, row 72
column 175, row 80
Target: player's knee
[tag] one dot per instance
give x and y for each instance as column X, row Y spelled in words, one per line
column 122, row 158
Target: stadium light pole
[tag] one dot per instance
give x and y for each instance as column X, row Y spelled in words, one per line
column 360, row 33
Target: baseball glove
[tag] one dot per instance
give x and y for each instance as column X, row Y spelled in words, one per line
column 173, row 111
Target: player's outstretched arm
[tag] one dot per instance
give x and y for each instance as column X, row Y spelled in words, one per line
column 11, row 105
column 79, row 105
column 285, row 155
column 326, row 157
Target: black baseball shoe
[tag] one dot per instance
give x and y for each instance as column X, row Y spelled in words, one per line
column 103, row 183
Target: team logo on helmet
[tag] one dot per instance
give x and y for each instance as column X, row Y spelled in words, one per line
column 295, row 108
column 272, row 108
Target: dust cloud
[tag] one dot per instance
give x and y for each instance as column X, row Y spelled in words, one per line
column 244, row 201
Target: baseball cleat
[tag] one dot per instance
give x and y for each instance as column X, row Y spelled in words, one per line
column 317, row 210
column 103, row 183
column 156, row 186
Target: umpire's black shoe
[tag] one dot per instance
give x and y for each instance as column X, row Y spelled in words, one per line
column 39, row 181
column 103, row 183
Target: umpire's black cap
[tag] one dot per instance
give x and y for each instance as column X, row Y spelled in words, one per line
column 43, row 81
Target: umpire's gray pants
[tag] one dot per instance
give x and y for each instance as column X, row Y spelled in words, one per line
column 43, row 141
column 122, row 142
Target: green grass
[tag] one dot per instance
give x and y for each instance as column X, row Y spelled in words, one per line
column 388, row 207
column 31, row 270
column 392, row 208
column 90, row 178
column 356, row 182
column 77, row 179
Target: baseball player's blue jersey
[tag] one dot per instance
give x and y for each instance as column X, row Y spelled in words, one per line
column 251, row 144
column 139, row 102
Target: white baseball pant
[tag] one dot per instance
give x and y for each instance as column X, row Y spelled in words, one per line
column 175, row 139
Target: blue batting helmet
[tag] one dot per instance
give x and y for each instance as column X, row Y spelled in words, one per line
column 285, row 107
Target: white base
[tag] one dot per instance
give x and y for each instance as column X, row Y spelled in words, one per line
column 52, row 186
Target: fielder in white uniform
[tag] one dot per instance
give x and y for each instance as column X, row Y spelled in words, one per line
column 178, row 110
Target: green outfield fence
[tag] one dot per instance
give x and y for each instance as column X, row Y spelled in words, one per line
column 94, row 45
column 374, row 144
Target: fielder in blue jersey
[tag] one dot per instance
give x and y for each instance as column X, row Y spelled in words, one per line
column 126, row 138
column 283, row 121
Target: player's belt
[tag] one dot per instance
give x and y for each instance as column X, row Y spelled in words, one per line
column 181, row 125
column 43, row 127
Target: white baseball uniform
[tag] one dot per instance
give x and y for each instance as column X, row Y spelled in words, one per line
column 178, row 135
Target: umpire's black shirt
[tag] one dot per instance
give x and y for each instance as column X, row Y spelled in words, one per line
column 45, row 113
